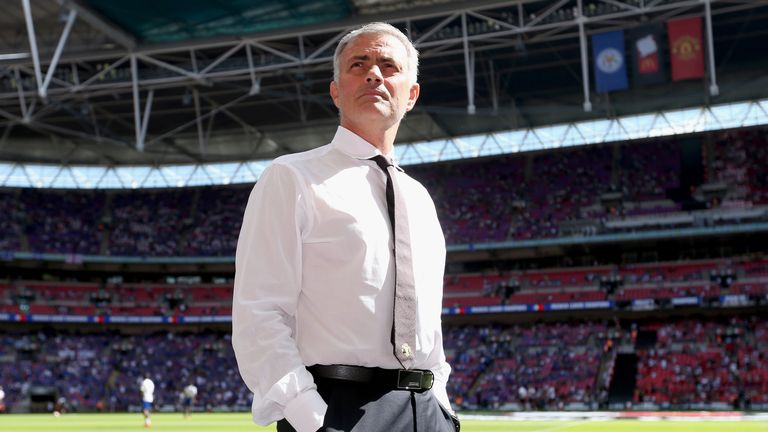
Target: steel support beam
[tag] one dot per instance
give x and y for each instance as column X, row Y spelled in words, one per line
column 145, row 119
column 200, row 135
column 192, row 75
column 621, row 5
column 136, row 103
column 547, row 12
column 57, row 54
column 32, row 42
column 223, row 57
column 714, row 90
column 202, row 117
column 469, row 67
column 330, row 42
column 436, row 28
column 584, row 55
column 493, row 85
column 276, row 52
column 22, row 98
column 501, row 24
column 81, row 86
column 255, row 82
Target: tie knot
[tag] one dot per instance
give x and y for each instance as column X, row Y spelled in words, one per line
column 382, row 162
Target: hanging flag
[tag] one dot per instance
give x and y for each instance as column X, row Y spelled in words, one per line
column 685, row 48
column 648, row 67
column 610, row 65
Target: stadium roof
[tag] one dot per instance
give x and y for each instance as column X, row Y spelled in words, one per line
column 111, row 84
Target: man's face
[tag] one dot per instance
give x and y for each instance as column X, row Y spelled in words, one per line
column 374, row 89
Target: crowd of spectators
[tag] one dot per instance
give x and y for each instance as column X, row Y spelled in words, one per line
column 57, row 222
column 10, row 237
column 540, row 366
column 216, row 223
column 704, row 362
column 150, row 223
column 739, row 160
column 102, row 371
column 476, row 201
column 521, row 197
column 544, row 366
column 532, row 366
column 517, row 197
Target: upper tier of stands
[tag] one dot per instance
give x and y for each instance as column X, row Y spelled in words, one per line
column 587, row 190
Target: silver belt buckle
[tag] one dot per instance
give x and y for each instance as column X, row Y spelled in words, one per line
column 409, row 379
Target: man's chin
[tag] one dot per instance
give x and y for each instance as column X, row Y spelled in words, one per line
column 373, row 113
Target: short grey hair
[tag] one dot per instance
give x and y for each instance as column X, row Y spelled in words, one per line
column 379, row 28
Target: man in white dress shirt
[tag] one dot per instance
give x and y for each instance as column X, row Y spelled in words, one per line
column 314, row 284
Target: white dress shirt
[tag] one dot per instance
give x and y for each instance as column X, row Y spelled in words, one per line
column 147, row 390
column 314, row 279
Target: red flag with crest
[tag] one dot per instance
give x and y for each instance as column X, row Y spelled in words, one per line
column 686, row 49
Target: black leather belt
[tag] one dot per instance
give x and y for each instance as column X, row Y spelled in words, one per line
column 417, row 380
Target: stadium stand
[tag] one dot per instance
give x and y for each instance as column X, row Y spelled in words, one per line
column 583, row 191
column 693, row 364
column 99, row 371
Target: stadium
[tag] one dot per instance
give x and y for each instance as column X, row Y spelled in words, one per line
column 599, row 169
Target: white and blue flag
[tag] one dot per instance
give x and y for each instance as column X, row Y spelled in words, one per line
column 610, row 61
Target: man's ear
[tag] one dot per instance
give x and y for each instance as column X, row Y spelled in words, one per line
column 413, row 96
column 335, row 93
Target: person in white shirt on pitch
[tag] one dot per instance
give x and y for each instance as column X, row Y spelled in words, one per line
column 312, row 317
column 147, row 399
column 188, row 399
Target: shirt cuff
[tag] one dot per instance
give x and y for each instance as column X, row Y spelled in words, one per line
column 306, row 411
column 442, row 396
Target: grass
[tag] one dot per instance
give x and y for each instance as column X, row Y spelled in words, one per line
column 241, row 422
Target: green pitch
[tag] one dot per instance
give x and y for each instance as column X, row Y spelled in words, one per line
column 241, row 422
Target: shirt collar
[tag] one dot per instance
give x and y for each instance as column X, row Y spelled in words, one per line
column 353, row 146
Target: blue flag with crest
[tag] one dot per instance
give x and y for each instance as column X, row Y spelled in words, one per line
column 609, row 61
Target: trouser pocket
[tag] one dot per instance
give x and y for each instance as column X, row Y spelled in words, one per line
column 452, row 419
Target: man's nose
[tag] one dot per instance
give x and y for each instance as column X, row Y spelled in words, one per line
column 374, row 74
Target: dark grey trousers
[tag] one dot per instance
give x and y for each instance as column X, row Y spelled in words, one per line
column 357, row 407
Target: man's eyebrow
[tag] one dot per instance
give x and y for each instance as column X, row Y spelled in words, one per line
column 388, row 60
column 364, row 57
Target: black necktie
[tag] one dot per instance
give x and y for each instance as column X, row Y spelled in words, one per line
column 404, row 313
